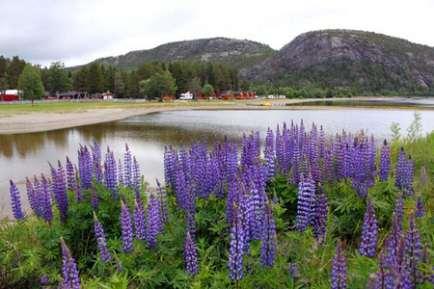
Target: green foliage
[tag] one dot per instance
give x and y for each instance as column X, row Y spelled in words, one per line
column 396, row 131
column 415, row 129
column 347, row 210
column 208, row 90
column 30, row 83
column 159, row 85
column 56, row 78
column 30, row 249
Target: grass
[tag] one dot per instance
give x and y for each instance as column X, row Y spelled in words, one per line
column 69, row 106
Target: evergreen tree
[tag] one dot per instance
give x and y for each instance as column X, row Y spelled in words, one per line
column 132, row 88
column 14, row 70
column 80, row 80
column 195, row 87
column 57, row 79
column 94, row 79
column 119, row 84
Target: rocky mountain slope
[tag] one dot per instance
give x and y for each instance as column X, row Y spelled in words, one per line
column 348, row 58
column 238, row 53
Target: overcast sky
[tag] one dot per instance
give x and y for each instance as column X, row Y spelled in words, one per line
column 78, row 31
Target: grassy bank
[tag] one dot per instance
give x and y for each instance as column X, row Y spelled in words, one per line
column 71, row 106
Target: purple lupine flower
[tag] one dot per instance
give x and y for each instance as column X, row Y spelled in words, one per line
column 404, row 173
column 393, row 248
column 139, row 220
column 136, row 177
column 305, row 203
column 128, row 167
column 96, row 162
column 44, row 280
column 71, row 179
column 320, row 219
column 190, row 255
column 269, row 239
column 400, row 169
column 77, row 190
column 398, row 212
column 120, row 173
column 45, row 200
column 15, row 201
column 85, row 167
column 384, row 162
column 110, row 173
column 59, row 190
column 104, row 253
column 233, row 196
column 413, row 252
column 71, row 279
column 245, row 205
column 37, row 196
column 236, row 247
column 153, row 221
column 384, row 278
column 368, row 244
column 269, row 154
column 31, row 196
column 409, row 175
column 339, row 269
column 163, row 203
column 94, row 198
column 293, row 270
column 420, row 208
column 126, row 228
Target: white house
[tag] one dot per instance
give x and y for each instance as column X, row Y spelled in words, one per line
column 186, row 96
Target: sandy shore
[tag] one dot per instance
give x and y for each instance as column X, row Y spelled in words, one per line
column 45, row 121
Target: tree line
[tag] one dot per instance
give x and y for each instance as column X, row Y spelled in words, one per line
column 156, row 79
column 150, row 80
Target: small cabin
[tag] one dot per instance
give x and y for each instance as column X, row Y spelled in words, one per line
column 186, row 96
column 10, row 95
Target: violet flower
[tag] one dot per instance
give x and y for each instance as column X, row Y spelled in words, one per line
column 126, row 228
column 15, row 201
column 70, row 274
column 339, row 269
column 190, row 255
column 101, row 240
column 305, row 203
column 368, row 244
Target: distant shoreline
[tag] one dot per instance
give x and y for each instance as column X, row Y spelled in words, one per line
column 18, row 122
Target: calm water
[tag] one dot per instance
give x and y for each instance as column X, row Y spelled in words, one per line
column 29, row 154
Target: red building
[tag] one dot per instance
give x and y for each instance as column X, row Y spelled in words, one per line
column 9, row 95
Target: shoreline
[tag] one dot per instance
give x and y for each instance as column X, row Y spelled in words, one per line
column 40, row 121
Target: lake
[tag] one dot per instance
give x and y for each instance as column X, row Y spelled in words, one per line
column 24, row 155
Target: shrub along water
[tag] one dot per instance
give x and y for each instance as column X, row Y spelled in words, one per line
column 305, row 210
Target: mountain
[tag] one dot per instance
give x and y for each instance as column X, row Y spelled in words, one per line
column 238, row 53
column 366, row 61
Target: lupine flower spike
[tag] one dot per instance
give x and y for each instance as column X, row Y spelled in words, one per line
column 17, row 211
column 368, row 244
column 236, row 247
column 190, row 255
column 139, row 220
column 101, row 240
column 71, row 279
column 126, row 228
column 339, row 269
